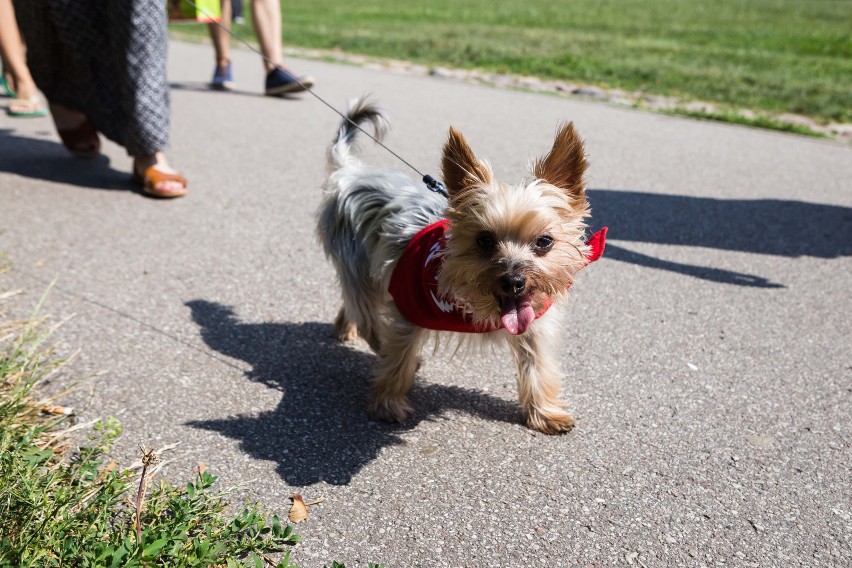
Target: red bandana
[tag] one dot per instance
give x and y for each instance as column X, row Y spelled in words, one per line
column 414, row 283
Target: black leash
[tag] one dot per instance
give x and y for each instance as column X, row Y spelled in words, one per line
column 431, row 183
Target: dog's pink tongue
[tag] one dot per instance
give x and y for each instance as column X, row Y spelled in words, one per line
column 517, row 314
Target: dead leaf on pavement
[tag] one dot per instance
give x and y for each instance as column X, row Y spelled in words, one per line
column 56, row 409
column 298, row 511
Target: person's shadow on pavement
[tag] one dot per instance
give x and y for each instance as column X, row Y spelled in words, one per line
column 47, row 160
column 202, row 87
column 320, row 430
column 761, row 226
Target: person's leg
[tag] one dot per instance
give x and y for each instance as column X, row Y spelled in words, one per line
column 14, row 59
column 146, row 102
column 266, row 17
column 221, row 38
column 236, row 11
column 219, row 33
column 54, row 67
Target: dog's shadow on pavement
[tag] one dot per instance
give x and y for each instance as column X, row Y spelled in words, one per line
column 320, row 430
column 763, row 226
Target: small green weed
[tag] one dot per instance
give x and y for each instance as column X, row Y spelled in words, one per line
column 187, row 527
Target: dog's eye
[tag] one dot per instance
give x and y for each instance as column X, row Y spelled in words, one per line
column 486, row 241
column 543, row 244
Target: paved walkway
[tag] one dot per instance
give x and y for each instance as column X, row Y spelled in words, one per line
column 707, row 355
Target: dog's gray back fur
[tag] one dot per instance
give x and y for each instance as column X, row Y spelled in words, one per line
column 368, row 214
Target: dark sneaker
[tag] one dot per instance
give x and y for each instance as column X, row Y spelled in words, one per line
column 223, row 80
column 280, row 82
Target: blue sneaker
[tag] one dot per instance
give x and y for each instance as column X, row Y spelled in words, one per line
column 223, row 80
column 280, row 82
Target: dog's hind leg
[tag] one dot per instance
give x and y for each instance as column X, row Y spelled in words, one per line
column 398, row 362
column 362, row 307
column 539, row 378
column 359, row 316
column 346, row 324
column 344, row 329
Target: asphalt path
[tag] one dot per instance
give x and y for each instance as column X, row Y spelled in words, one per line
column 707, row 355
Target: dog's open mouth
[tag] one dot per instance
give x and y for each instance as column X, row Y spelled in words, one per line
column 516, row 312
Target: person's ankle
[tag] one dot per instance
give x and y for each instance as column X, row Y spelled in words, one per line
column 270, row 67
column 26, row 90
column 156, row 160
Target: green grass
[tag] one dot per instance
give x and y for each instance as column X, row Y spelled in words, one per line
column 759, row 121
column 67, row 507
column 771, row 55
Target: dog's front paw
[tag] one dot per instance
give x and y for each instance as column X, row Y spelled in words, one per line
column 391, row 409
column 551, row 422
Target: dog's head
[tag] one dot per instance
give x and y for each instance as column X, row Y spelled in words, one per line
column 513, row 248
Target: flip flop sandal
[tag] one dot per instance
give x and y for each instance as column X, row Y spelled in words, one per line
column 27, row 108
column 82, row 141
column 152, row 176
column 5, row 88
column 4, row 84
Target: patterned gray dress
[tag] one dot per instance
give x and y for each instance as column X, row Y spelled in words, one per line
column 105, row 58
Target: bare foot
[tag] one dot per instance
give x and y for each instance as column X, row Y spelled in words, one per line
column 26, row 90
column 31, row 106
column 27, row 101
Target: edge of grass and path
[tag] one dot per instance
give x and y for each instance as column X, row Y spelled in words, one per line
column 63, row 504
column 780, row 64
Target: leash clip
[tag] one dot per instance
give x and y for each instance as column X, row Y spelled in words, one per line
column 435, row 185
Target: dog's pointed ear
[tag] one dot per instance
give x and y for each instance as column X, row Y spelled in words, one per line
column 460, row 167
column 565, row 164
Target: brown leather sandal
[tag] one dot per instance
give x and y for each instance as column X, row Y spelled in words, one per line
column 148, row 182
column 81, row 141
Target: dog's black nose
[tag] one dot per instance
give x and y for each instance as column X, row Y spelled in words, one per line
column 513, row 284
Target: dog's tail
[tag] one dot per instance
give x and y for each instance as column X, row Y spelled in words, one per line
column 361, row 111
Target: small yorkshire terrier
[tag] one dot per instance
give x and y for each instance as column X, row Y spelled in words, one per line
column 491, row 258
